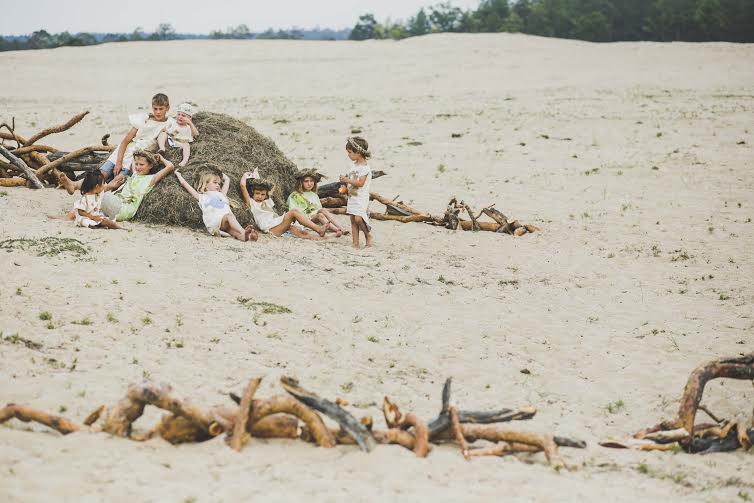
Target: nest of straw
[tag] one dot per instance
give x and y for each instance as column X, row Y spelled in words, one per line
column 224, row 145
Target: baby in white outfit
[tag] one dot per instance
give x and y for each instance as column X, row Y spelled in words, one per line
column 179, row 134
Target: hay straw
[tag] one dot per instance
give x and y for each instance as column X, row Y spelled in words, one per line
column 224, row 145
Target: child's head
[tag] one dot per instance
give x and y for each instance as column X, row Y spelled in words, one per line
column 143, row 162
column 94, row 182
column 209, row 182
column 160, row 106
column 184, row 112
column 357, row 148
column 260, row 190
column 307, row 180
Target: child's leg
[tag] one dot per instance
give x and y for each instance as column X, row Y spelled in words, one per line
column 326, row 217
column 67, row 216
column 161, row 139
column 230, row 225
column 69, row 185
column 365, row 229
column 303, row 234
column 186, row 147
column 354, row 231
column 296, row 215
column 106, row 223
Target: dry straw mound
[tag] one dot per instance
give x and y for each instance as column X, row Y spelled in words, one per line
column 224, row 145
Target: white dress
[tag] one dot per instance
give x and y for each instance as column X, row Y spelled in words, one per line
column 264, row 215
column 214, row 207
column 179, row 134
column 90, row 203
column 147, row 131
column 358, row 197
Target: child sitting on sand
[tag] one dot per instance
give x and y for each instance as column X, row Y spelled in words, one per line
column 358, row 181
column 263, row 210
column 216, row 213
column 88, row 209
column 180, row 133
column 305, row 199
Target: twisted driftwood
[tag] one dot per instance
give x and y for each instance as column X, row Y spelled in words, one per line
column 682, row 432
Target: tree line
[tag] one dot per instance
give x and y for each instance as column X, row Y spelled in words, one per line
column 592, row 20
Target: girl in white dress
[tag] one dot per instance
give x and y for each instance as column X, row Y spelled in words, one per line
column 87, row 210
column 267, row 220
column 358, row 182
column 216, row 213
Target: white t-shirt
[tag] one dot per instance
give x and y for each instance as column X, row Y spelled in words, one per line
column 147, row 131
column 264, row 214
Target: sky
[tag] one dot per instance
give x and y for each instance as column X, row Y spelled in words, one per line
column 21, row 17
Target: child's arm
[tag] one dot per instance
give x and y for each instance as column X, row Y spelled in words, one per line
column 115, row 183
column 356, row 182
column 88, row 215
column 226, row 184
column 122, row 150
column 244, row 190
column 194, row 131
column 186, row 185
column 169, row 167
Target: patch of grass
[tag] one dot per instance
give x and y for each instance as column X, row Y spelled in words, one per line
column 260, row 307
column 372, row 338
column 85, row 322
column 592, row 171
column 45, row 316
column 50, row 325
column 441, row 168
column 413, row 143
column 111, row 318
column 47, row 246
column 146, row 320
column 444, row 281
column 508, row 282
column 174, row 343
column 16, row 339
column 3, row 193
column 615, row 406
column 724, row 296
column 281, row 121
column 346, row 387
column 214, row 340
column 680, row 255
column 19, row 291
column 62, row 409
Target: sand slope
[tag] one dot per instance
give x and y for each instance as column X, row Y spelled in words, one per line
column 618, row 298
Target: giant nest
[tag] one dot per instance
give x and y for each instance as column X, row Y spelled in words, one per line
column 224, row 145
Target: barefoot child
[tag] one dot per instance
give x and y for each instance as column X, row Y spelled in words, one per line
column 263, row 210
column 358, row 181
column 216, row 213
column 305, row 199
column 88, row 209
column 179, row 134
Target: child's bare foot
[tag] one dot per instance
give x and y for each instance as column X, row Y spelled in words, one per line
column 322, row 230
column 250, row 233
column 370, row 240
column 338, row 233
column 183, row 163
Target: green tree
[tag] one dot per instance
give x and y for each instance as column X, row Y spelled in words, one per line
column 445, row 17
column 364, row 29
column 491, row 15
column 419, row 24
column 165, row 31
column 40, row 40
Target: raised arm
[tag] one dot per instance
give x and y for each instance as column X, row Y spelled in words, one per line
column 186, row 185
column 194, row 131
column 122, row 149
column 244, row 190
column 226, row 184
column 169, row 167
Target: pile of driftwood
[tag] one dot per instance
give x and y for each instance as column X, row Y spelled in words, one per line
column 398, row 211
column 24, row 162
column 682, row 433
column 297, row 416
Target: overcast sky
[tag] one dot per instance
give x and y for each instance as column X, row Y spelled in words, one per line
column 19, row 17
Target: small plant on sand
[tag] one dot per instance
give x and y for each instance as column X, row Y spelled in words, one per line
column 615, row 406
column 48, row 246
column 146, row 320
column 260, row 307
column 111, row 318
column 45, row 316
column 372, row 338
column 85, row 322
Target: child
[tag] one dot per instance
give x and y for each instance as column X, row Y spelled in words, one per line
column 143, row 132
column 88, row 209
column 262, row 209
column 179, row 134
column 305, row 199
column 359, row 179
column 216, row 212
column 123, row 204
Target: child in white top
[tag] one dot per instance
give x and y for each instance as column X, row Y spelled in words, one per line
column 358, row 181
column 216, row 213
column 88, row 209
column 267, row 220
column 180, row 133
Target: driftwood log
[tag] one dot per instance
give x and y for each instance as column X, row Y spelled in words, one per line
column 297, row 416
column 683, row 432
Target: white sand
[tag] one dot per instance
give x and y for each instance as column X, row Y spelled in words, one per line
column 589, row 306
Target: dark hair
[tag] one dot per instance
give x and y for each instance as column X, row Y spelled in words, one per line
column 358, row 145
column 160, row 100
column 92, row 180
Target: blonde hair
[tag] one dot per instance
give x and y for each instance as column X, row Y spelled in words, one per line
column 205, row 179
column 147, row 156
column 300, row 183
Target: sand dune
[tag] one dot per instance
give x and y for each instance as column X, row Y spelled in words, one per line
column 634, row 158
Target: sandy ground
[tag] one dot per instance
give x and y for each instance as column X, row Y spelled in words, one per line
column 643, row 269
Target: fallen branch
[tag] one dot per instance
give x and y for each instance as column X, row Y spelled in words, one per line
column 27, row 172
column 56, row 129
column 239, row 434
column 71, row 156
